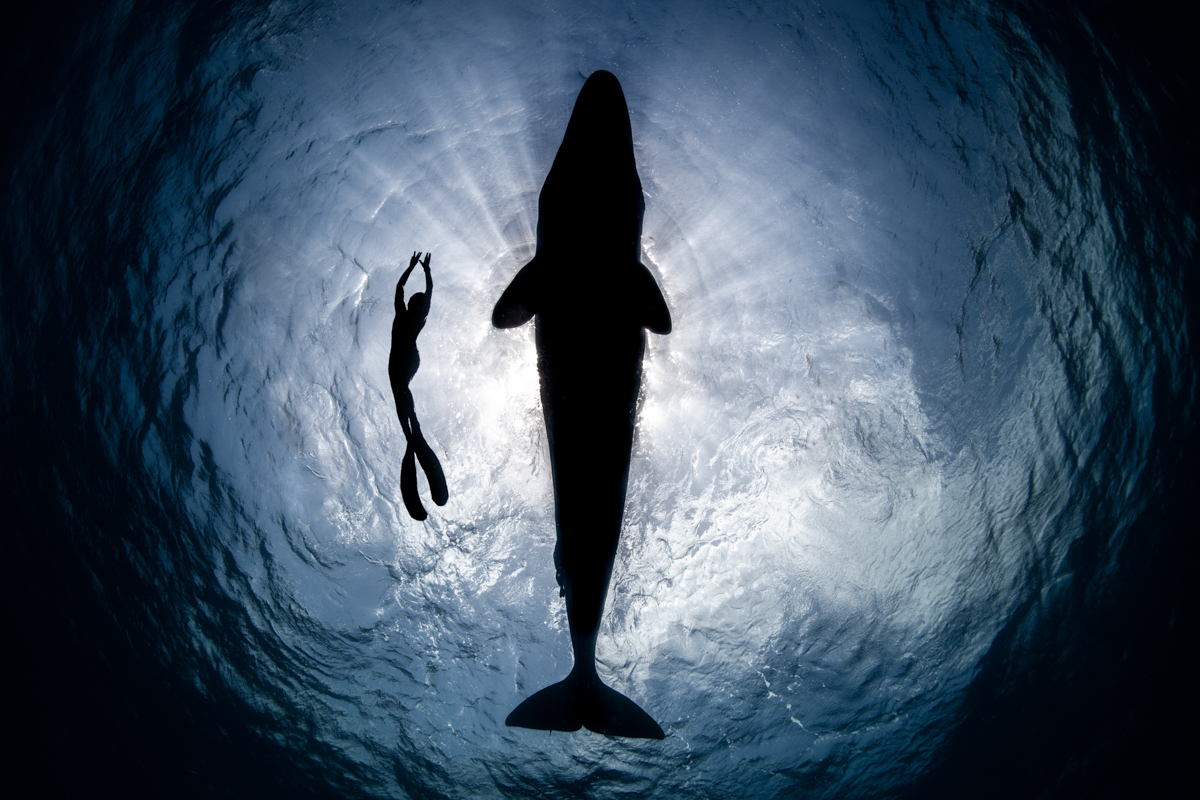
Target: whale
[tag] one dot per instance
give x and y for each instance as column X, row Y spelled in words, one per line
column 592, row 301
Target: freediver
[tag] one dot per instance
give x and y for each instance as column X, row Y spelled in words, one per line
column 402, row 366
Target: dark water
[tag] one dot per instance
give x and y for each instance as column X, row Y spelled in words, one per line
column 909, row 512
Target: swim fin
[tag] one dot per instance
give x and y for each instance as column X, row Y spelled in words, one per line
column 588, row 703
column 408, row 486
column 433, row 471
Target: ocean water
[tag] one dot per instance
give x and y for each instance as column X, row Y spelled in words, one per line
column 908, row 506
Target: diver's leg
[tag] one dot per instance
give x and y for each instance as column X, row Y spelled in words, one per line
column 408, row 476
column 400, row 393
column 408, row 467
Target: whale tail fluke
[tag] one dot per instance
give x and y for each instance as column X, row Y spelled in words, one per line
column 573, row 704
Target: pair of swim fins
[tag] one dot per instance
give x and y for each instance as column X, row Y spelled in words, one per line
column 433, row 473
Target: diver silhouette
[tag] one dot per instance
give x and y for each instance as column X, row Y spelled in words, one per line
column 402, row 366
column 590, row 352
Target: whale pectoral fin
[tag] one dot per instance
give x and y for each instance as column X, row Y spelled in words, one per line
column 571, row 704
column 654, row 314
column 518, row 303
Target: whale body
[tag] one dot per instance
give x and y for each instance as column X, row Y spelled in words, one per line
column 591, row 300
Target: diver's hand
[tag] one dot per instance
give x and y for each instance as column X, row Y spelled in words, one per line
column 415, row 258
column 427, row 257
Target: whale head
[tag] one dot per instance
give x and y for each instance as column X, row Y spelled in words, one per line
column 592, row 199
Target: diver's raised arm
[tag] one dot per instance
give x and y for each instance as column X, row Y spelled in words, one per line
column 428, row 277
column 412, row 262
column 399, row 302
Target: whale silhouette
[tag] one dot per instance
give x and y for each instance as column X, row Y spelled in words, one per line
column 591, row 299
